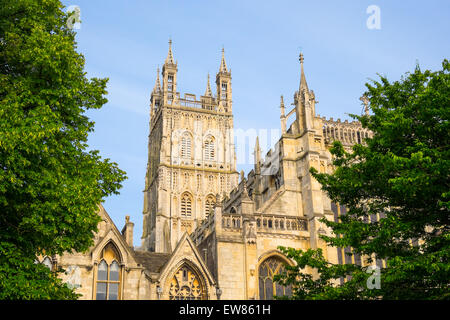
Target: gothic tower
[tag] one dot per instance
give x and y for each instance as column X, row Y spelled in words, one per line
column 191, row 156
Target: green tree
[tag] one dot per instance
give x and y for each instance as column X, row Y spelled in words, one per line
column 50, row 184
column 402, row 174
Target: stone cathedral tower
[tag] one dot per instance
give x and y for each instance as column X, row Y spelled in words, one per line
column 191, row 156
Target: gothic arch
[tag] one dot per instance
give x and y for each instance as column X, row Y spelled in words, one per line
column 210, row 200
column 276, row 253
column 270, row 264
column 108, row 273
column 110, row 245
column 186, row 282
column 186, row 145
column 209, row 147
column 115, row 238
column 186, row 204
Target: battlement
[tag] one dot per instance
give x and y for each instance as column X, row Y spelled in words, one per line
column 189, row 100
column 348, row 132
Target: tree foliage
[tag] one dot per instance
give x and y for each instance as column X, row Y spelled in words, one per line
column 50, row 184
column 400, row 175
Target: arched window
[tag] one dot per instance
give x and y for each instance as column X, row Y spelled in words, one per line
column 209, row 205
column 267, row 287
column 48, row 263
column 186, row 205
column 108, row 274
column 186, row 146
column 208, row 148
column 186, row 285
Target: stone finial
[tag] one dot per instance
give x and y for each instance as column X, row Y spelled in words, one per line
column 242, row 175
column 365, row 101
column 127, row 231
column 282, row 115
column 245, row 191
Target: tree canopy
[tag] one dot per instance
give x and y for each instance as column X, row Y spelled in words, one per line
column 50, row 183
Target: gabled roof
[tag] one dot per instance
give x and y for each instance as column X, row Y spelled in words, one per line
column 112, row 233
column 179, row 254
column 152, row 261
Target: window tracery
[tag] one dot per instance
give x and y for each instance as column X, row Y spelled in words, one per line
column 186, row 285
column 208, row 148
column 267, row 287
column 186, row 205
column 108, row 274
column 209, row 205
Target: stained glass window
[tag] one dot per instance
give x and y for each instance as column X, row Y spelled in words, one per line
column 267, row 287
column 186, row 285
column 108, row 274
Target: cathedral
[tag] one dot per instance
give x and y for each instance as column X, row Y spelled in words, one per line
column 209, row 232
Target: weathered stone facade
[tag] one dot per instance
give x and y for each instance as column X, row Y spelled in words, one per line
column 191, row 157
column 207, row 235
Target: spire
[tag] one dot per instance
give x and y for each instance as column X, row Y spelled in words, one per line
column 208, row 92
column 223, row 64
column 257, row 156
column 257, row 143
column 169, row 58
column 257, row 150
column 303, row 84
column 157, row 87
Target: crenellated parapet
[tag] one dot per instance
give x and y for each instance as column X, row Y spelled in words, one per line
column 349, row 133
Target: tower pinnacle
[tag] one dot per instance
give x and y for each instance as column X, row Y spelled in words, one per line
column 223, row 64
column 303, row 84
column 208, row 92
column 157, row 87
column 169, row 58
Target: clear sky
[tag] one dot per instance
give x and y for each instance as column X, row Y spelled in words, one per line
column 126, row 41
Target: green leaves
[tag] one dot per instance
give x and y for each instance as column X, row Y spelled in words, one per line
column 21, row 278
column 314, row 278
column 50, row 184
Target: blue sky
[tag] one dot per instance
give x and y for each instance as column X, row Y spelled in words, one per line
column 126, row 41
